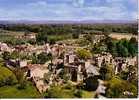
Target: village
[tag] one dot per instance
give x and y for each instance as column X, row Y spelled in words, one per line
column 65, row 63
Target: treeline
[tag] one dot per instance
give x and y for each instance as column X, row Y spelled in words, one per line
column 123, row 47
column 73, row 28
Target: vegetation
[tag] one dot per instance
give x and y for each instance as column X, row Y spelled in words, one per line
column 106, row 72
column 69, row 28
column 11, row 85
column 118, row 86
column 7, row 77
column 14, row 84
column 13, row 92
column 67, row 91
column 118, row 48
column 83, row 53
column 41, row 58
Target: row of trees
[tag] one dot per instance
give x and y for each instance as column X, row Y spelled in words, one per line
column 41, row 58
column 122, row 48
column 118, row 48
column 75, row 28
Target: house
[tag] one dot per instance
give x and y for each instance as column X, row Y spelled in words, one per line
column 5, row 47
column 37, row 72
column 101, row 89
column 122, row 63
column 30, row 36
column 91, row 69
column 70, row 57
column 17, row 63
column 22, row 63
column 47, row 48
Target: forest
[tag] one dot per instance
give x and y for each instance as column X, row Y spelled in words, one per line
column 53, row 29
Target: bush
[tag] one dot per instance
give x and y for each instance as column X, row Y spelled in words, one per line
column 75, row 35
column 83, row 53
column 118, row 86
column 78, row 93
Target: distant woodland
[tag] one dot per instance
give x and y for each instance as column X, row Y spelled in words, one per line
column 52, row 29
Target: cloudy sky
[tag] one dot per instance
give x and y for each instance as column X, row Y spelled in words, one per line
column 68, row 9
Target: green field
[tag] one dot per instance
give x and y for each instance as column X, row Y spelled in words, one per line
column 59, row 37
column 13, row 92
column 68, row 91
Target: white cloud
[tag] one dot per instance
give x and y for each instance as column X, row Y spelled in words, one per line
column 43, row 10
column 78, row 3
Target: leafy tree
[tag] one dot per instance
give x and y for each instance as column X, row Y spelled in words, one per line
column 42, row 58
column 117, row 87
column 34, row 59
column 78, row 93
column 89, row 37
column 83, row 53
column 15, row 55
column 6, row 55
column 132, row 74
column 22, row 84
column 133, row 40
column 60, row 92
column 132, row 50
column 50, row 56
column 122, row 51
column 106, row 72
column 41, row 38
column 75, row 35
column 21, row 78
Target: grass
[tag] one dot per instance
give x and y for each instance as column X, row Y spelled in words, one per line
column 13, row 92
column 59, row 37
column 67, row 91
column 5, row 72
column 117, row 86
column 87, row 94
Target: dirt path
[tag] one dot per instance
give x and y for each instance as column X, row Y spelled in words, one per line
column 121, row 36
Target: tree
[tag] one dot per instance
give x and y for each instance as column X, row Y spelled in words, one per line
column 21, row 78
column 89, row 37
column 91, row 83
column 50, row 56
column 132, row 50
column 75, row 35
column 133, row 40
column 41, row 38
column 19, row 74
column 15, row 55
column 122, row 51
column 42, row 58
column 34, row 58
column 117, row 87
column 22, row 84
column 6, row 55
column 78, row 93
column 133, row 47
column 106, row 72
column 133, row 74
column 83, row 53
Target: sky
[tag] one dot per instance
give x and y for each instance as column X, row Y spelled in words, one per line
column 68, row 10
